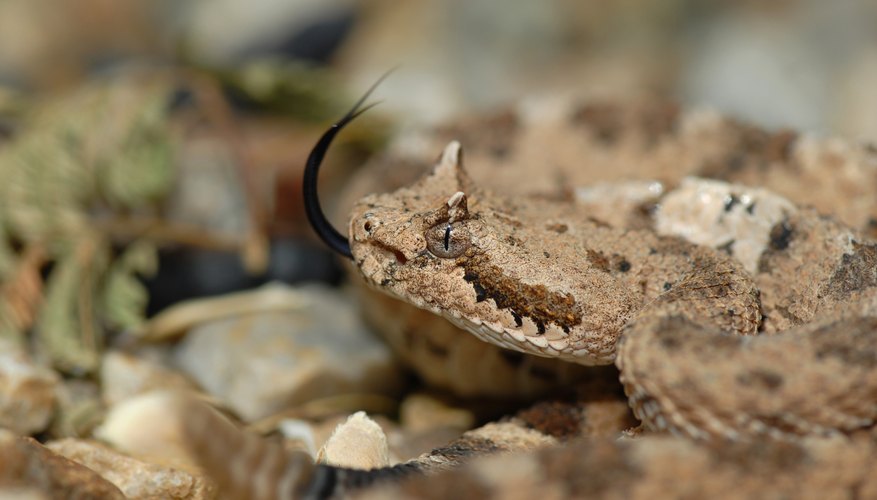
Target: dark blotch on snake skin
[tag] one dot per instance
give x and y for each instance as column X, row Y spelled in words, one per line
column 857, row 271
column 781, row 235
column 536, row 302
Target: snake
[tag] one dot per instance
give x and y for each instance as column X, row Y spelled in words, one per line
column 708, row 348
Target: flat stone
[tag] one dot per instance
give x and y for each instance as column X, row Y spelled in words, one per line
column 34, row 471
column 27, row 392
column 135, row 478
column 310, row 344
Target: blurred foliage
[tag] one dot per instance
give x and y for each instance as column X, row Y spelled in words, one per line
column 101, row 152
column 293, row 88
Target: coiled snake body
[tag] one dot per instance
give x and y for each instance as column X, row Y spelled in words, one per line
column 721, row 346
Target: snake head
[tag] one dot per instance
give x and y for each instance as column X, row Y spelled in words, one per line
column 480, row 260
column 411, row 236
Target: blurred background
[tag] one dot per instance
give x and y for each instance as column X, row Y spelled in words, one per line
column 805, row 64
column 179, row 129
column 151, row 152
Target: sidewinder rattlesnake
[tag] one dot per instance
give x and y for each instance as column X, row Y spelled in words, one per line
column 776, row 350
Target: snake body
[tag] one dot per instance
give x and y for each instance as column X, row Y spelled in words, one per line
column 776, row 347
column 539, row 279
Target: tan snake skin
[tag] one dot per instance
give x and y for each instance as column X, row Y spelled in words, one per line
column 764, row 335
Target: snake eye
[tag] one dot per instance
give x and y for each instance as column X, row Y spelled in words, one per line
column 447, row 241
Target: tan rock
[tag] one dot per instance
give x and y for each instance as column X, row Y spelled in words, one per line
column 147, row 426
column 32, row 470
column 422, row 412
column 136, row 479
column 358, row 443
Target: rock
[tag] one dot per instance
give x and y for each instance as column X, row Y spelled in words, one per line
column 309, row 344
column 29, row 468
column 428, row 421
column 27, row 392
column 402, row 446
column 298, row 434
column 421, row 412
column 21, row 493
column 136, row 479
column 358, row 443
column 147, row 426
column 123, row 376
column 731, row 217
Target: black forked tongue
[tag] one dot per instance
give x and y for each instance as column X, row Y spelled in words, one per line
column 335, row 240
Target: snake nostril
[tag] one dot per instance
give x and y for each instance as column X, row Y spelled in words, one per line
column 387, row 250
column 367, row 226
column 400, row 257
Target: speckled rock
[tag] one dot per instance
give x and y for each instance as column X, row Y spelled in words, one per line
column 29, row 468
column 27, row 392
column 732, row 217
column 136, row 479
column 313, row 346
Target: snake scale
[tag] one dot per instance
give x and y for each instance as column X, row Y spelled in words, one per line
column 759, row 356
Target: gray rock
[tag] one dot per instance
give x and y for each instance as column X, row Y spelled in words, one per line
column 309, row 345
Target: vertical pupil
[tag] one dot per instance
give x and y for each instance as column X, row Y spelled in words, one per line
column 447, row 237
